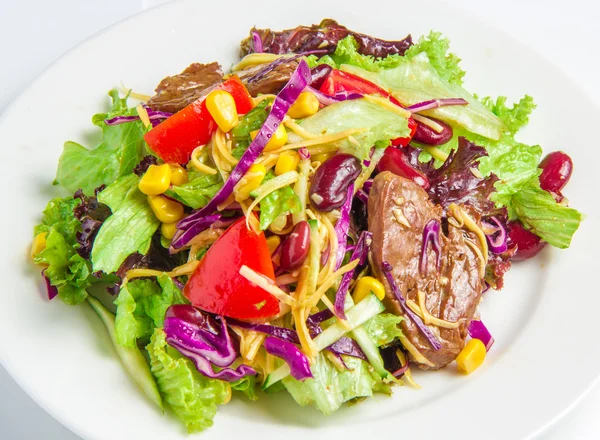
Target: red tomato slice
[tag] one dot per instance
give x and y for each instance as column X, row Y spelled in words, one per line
column 216, row 285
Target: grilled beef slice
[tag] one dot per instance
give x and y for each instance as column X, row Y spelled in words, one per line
column 398, row 211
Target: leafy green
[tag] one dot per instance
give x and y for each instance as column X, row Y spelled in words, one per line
column 121, row 149
column 281, row 201
column 416, row 80
column 383, row 329
column 198, row 191
column 66, row 269
column 330, row 388
column 538, row 211
column 251, row 121
column 246, row 385
column 128, row 230
column 379, row 123
column 142, row 305
column 514, row 118
column 192, row 397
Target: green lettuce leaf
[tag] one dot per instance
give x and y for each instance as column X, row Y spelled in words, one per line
column 192, row 397
column 380, row 123
column 141, row 307
column 251, row 121
column 246, row 385
column 538, row 211
column 121, row 149
column 330, row 388
column 383, row 329
column 198, row 191
column 66, row 269
column 128, row 230
column 416, row 80
column 281, row 201
column 514, row 118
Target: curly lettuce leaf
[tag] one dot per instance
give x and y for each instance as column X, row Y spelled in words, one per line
column 128, row 230
column 141, row 307
column 515, row 117
column 66, row 269
column 330, row 387
column 192, row 397
column 281, row 201
column 247, row 386
column 437, row 48
column 198, row 191
column 121, row 149
column 539, row 212
column 383, row 329
column 379, row 123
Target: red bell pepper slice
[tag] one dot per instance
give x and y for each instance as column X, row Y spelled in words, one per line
column 339, row 81
column 175, row 138
column 216, row 285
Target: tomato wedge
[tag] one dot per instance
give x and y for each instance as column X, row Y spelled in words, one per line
column 339, row 81
column 216, row 285
column 175, row 138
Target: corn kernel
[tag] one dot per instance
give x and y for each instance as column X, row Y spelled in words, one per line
column 273, row 242
column 365, row 285
column 250, row 182
column 221, row 106
column 38, row 244
column 321, row 157
column 166, row 210
column 278, row 139
column 179, row 175
column 471, row 357
column 287, row 161
column 168, row 230
column 306, row 105
column 156, row 180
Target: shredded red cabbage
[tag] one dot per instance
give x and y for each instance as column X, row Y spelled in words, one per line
column 257, row 42
column 362, row 196
column 154, row 116
column 195, row 336
column 367, row 186
column 338, row 97
column 435, row 103
column 183, row 236
column 431, row 233
column 342, row 226
column 298, row 362
column 52, row 290
column 288, row 95
column 387, row 271
column 360, row 253
column 497, row 240
column 304, row 153
column 477, row 330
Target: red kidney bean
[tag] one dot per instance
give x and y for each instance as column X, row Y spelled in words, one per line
column 396, row 161
column 319, row 75
column 428, row 136
column 329, row 185
column 557, row 168
column 528, row 244
column 294, row 248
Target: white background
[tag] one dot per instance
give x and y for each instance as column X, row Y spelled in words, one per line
column 34, row 33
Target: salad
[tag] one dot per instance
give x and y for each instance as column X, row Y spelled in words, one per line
column 321, row 220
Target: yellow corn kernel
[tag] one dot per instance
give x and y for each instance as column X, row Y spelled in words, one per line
column 287, row 161
column 273, row 242
column 278, row 139
column 39, row 243
column 251, row 180
column 306, row 105
column 179, row 175
column 321, row 157
column 471, row 357
column 156, row 180
column 221, row 106
column 168, row 230
column 166, row 210
column 365, row 285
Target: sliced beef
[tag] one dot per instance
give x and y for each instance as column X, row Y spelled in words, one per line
column 268, row 78
column 322, row 36
column 176, row 92
column 398, row 211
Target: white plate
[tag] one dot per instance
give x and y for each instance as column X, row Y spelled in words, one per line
column 546, row 355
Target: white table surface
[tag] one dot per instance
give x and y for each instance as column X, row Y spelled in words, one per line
column 35, row 32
